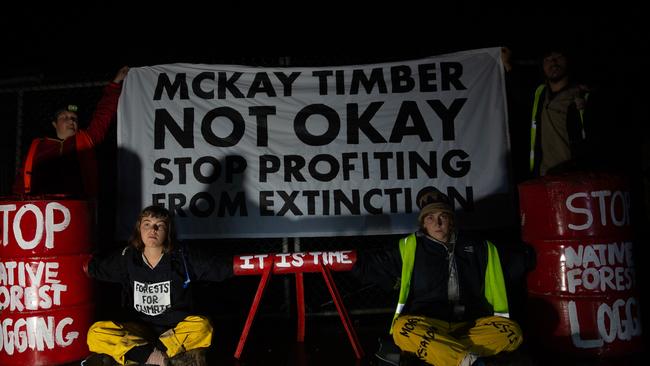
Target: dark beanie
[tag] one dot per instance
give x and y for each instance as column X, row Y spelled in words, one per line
column 431, row 200
column 66, row 108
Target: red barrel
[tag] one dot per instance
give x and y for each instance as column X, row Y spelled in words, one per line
column 582, row 294
column 45, row 296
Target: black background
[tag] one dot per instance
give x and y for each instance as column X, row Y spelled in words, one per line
column 70, row 39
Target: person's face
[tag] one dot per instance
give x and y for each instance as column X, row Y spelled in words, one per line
column 438, row 225
column 65, row 124
column 153, row 232
column 555, row 66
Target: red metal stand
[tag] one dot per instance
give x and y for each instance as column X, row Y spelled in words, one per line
column 269, row 267
column 300, row 308
column 251, row 314
column 343, row 313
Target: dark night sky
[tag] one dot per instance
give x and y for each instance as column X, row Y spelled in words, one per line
column 90, row 42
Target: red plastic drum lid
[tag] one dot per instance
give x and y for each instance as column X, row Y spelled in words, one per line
column 607, row 326
column 575, row 206
column 36, row 284
column 58, row 336
column 590, row 268
column 43, row 228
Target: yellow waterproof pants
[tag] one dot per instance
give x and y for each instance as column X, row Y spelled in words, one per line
column 116, row 339
column 442, row 343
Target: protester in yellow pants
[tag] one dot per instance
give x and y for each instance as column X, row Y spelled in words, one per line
column 443, row 343
column 115, row 340
column 452, row 307
column 156, row 276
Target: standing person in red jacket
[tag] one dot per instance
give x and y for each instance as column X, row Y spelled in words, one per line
column 65, row 162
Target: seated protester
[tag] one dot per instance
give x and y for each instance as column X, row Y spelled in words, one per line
column 65, row 163
column 452, row 307
column 156, row 277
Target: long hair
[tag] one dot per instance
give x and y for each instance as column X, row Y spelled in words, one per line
column 157, row 212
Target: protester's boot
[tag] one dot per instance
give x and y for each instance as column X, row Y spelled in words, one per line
column 194, row 357
column 98, row 359
column 388, row 354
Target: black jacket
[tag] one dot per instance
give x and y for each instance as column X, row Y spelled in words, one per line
column 428, row 293
column 162, row 296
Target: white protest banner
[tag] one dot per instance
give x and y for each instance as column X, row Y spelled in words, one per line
column 242, row 151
